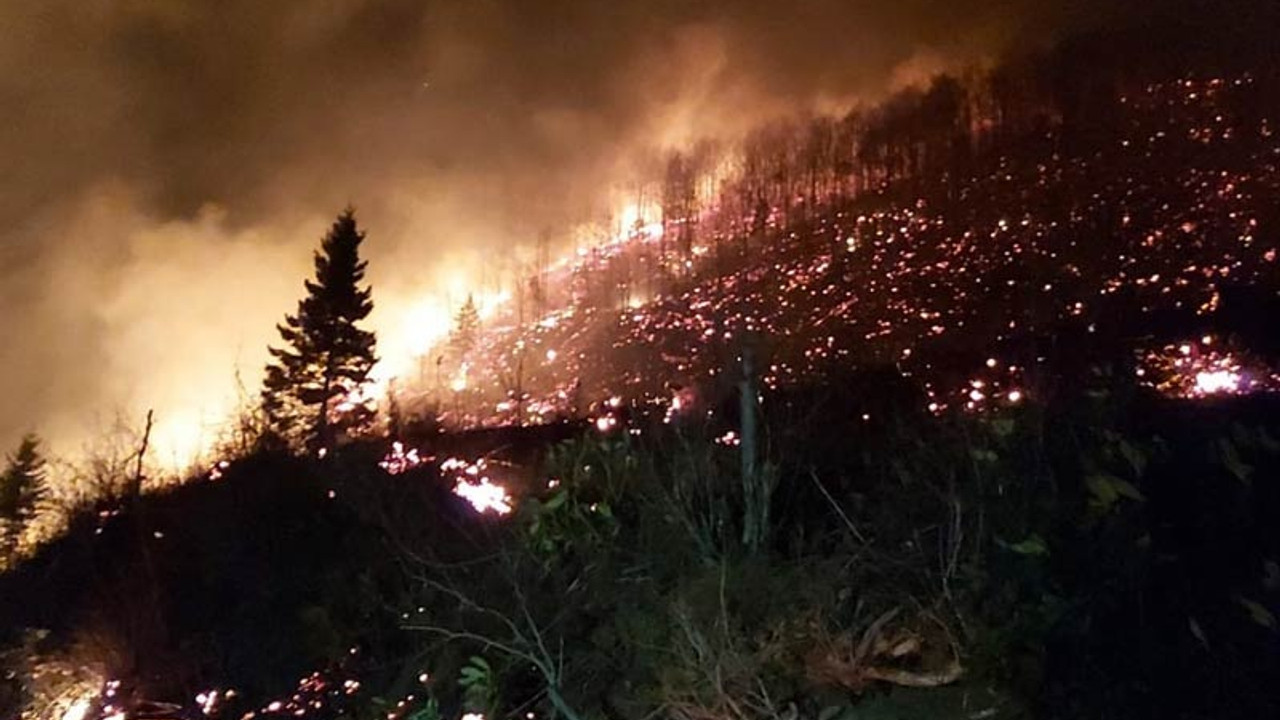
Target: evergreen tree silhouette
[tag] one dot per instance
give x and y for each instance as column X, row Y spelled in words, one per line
column 466, row 330
column 23, row 488
column 312, row 386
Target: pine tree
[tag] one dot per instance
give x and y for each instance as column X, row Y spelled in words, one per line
column 466, row 330
column 311, row 389
column 23, row 489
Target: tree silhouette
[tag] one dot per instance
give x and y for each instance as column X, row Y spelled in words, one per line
column 312, row 388
column 466, row 330
column 22, row 489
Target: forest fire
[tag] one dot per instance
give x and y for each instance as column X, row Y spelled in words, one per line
column 648, row 306
column 655, row 366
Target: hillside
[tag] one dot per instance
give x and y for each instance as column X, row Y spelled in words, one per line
column 1154, row 225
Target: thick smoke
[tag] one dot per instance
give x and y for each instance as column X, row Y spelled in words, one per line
column 169, row 164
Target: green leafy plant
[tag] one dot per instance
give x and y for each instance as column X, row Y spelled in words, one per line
column 479, row 684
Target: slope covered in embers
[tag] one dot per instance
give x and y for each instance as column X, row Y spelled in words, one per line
column 958, row 249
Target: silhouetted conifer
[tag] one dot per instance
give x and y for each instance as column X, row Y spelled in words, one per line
column 23, row 488
column 313, row 385
column 466, row 330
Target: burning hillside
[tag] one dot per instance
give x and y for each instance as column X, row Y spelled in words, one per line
column 950, row 253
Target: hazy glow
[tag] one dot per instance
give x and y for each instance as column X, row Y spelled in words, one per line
column 79, row 709
column 459, row 381
column 410, row 331
column 181, row 438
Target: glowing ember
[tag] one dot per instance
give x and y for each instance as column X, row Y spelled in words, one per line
column 1202, row 369
column 484, row 496
column 1212, row 382
column 399, row 460
column 473, row 484
column 209, row 701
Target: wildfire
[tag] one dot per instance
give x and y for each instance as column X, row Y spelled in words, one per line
column 620, row 310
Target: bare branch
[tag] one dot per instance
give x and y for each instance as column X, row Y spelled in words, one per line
column 836, row 506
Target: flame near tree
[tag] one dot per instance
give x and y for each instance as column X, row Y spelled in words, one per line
column 326, row 356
